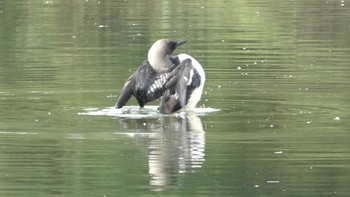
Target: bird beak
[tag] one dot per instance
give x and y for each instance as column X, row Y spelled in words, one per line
column 180, row 43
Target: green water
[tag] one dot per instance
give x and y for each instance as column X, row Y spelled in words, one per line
column 279, row 71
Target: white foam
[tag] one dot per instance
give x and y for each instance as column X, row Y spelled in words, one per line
column 130, row 134
column 136, row 112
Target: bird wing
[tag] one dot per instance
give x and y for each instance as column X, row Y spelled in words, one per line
column 127, row 92
column 137, row 85
column 178, row 88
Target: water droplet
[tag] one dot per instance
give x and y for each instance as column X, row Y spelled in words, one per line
column 337, row 118
column 278, row 152
column 273, row 182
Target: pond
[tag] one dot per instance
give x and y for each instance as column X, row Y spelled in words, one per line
column 273, row 119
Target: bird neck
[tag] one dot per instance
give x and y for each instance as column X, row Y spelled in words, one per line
column 160, row 64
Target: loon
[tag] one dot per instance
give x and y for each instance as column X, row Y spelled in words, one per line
column 179, row 79
column 184, row 87
column 146, row 84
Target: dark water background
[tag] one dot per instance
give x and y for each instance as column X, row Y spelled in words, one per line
column 278, row 70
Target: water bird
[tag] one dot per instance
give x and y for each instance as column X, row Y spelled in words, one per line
column 146, row 83
column 161, row 75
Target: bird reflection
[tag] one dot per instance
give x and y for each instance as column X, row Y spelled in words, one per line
column 174, row 145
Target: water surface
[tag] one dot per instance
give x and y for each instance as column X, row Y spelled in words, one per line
column 278, row 71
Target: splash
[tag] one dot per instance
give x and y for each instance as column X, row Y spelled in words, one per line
column 136, row 112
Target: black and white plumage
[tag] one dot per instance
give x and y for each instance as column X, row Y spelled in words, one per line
column 184, row 87
column 146, row 84
column 180, row 79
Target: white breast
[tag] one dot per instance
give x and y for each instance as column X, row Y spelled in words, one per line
column 197, row 93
